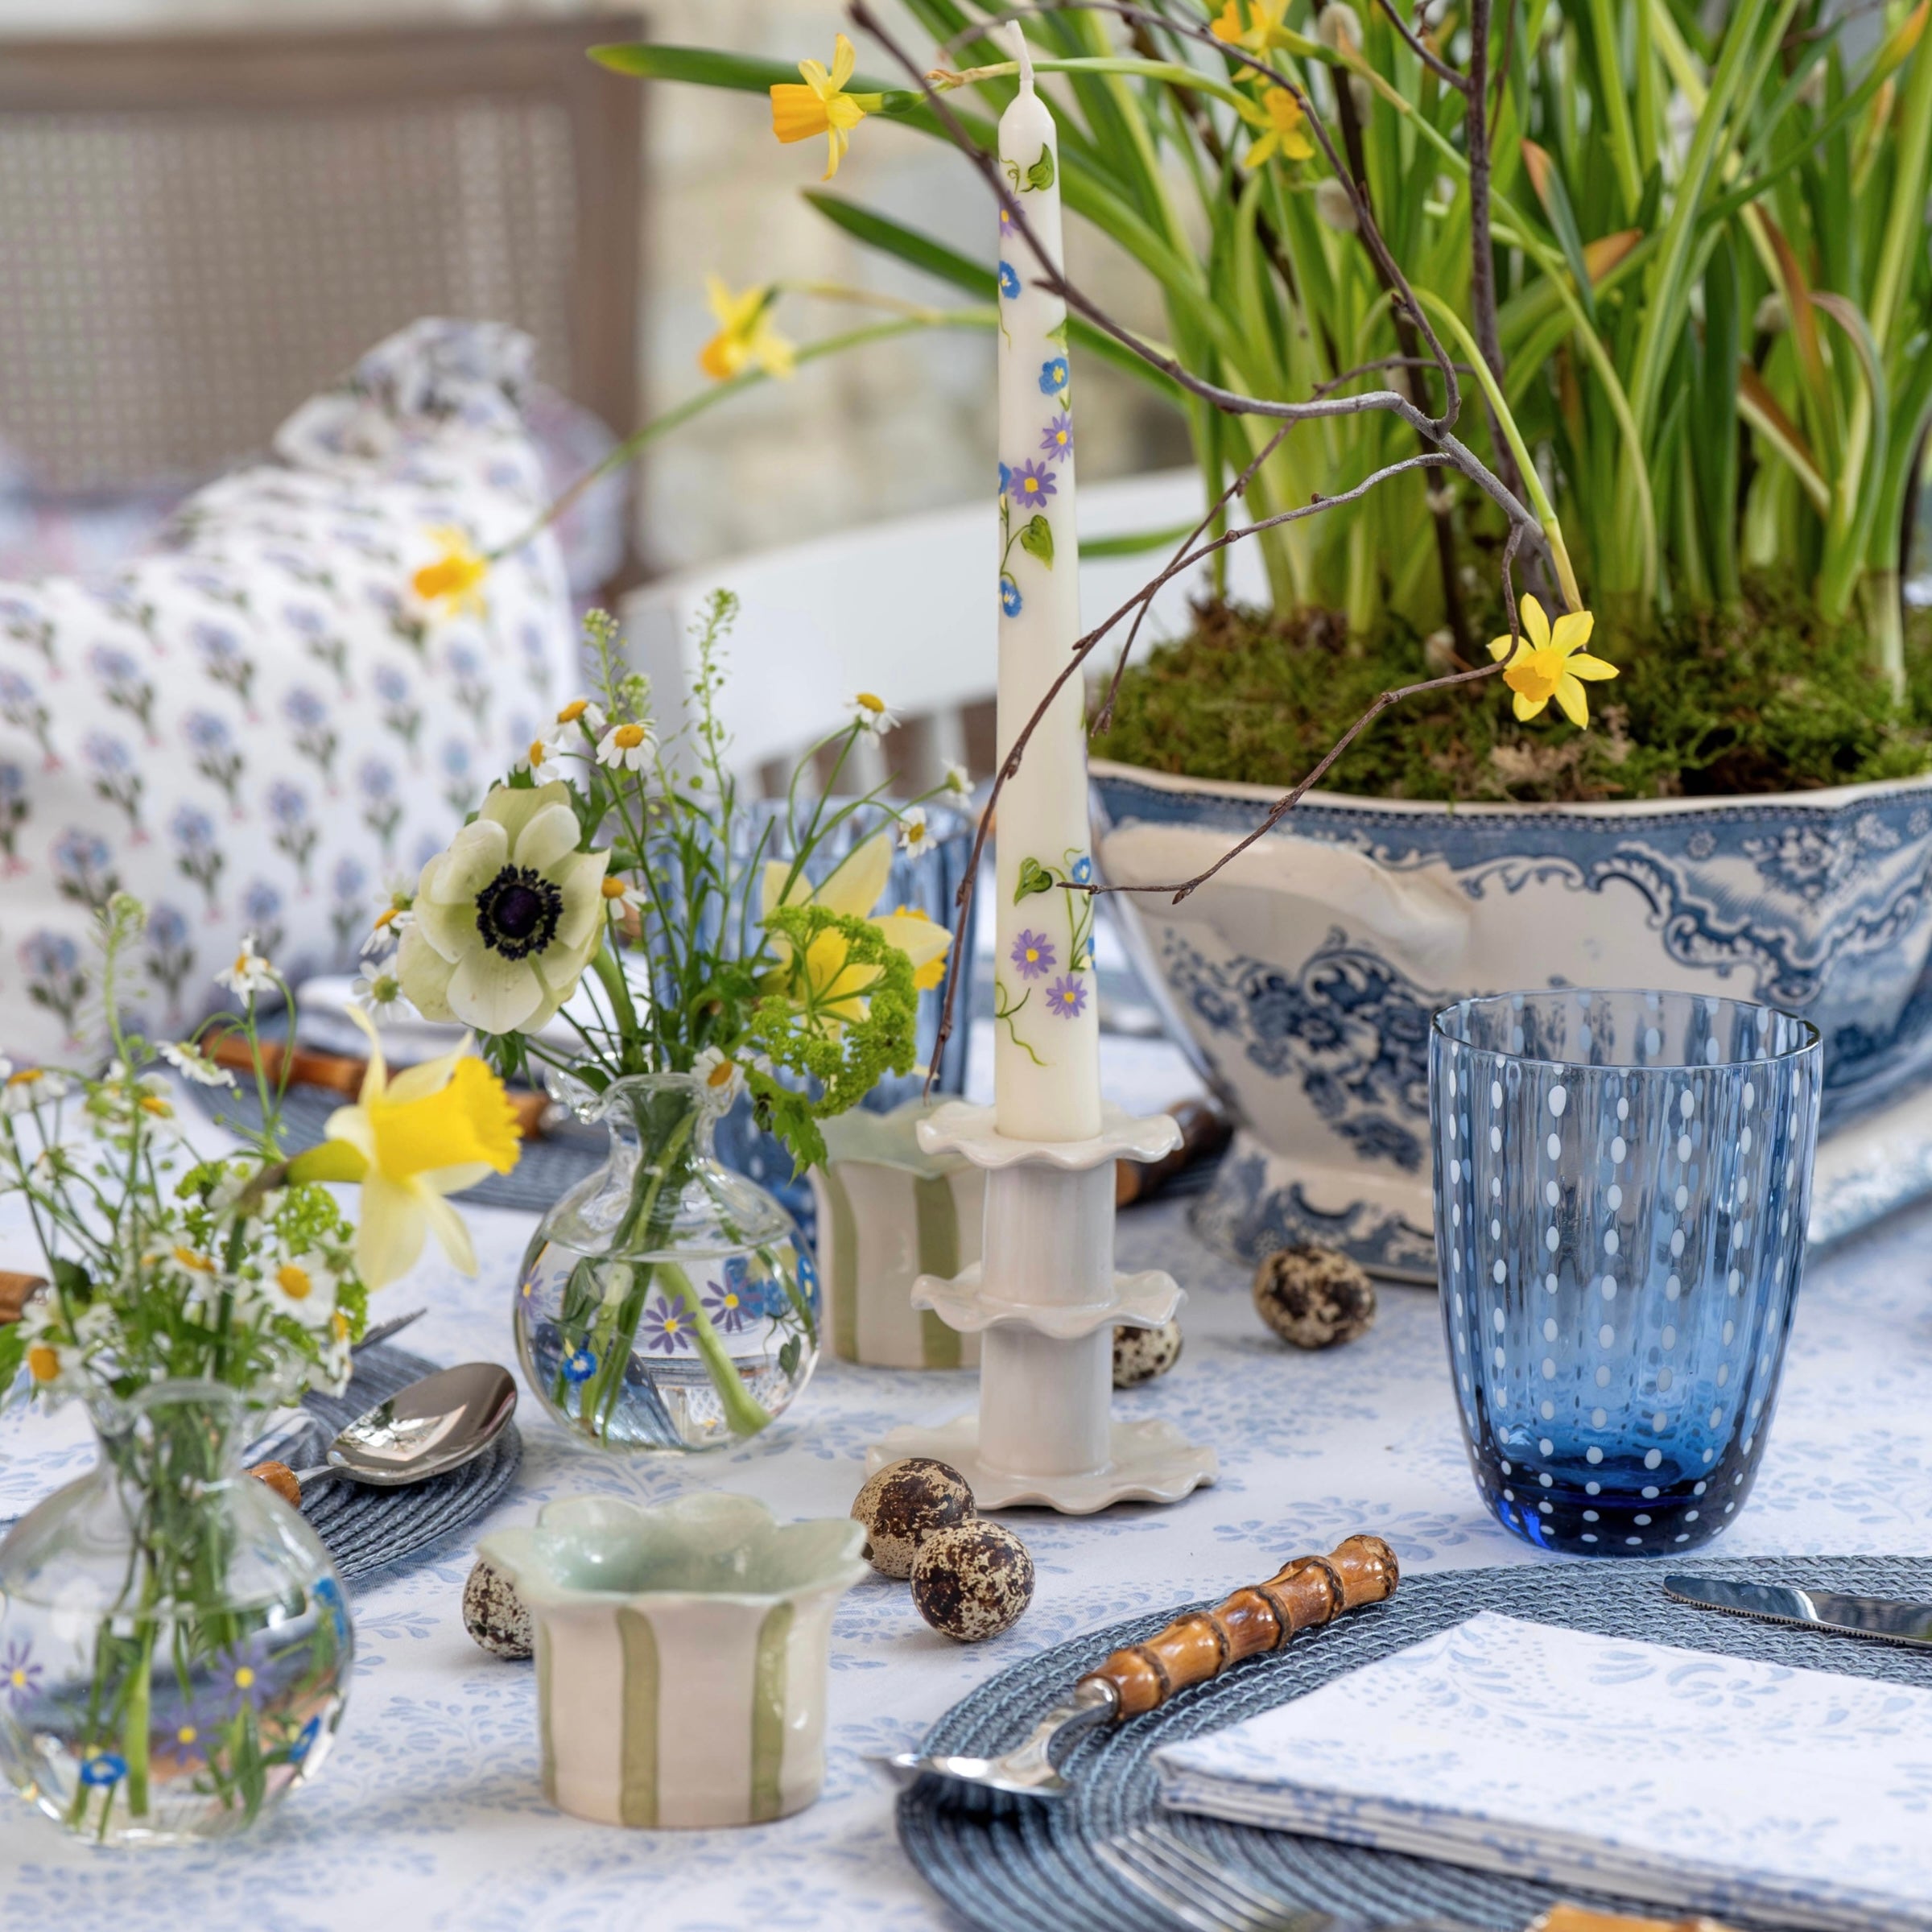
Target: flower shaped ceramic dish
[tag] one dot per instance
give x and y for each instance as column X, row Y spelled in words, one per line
column 681, row 1654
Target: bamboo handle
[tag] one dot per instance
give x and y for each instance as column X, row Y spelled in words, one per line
column 1573, row 1918
column 1310, row 1590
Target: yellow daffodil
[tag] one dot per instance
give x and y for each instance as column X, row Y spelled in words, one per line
column 452, row 581
column 835, row 994
column 745, row 336
column 854, row 889
column 909, row 928
column 431, row 1131
column 1254, row 26
column 1551, row 664
column 822, row 106
column 1279, row 117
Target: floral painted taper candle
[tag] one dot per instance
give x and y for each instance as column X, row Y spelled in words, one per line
column 1047, row 1065
column 1045, row 1298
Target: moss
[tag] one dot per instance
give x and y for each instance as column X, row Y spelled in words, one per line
column 1763, row 697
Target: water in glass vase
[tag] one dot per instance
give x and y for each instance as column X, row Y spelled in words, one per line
column 666, row 1303
column 174, row 1646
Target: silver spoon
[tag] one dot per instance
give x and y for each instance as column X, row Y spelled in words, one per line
column 427, row 1429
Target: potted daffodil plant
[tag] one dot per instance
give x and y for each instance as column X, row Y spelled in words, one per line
column 617, row 922
column 1559, row 378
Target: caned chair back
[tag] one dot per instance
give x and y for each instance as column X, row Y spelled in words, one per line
column 199, row 230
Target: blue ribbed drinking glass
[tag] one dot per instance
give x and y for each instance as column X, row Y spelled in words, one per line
column 1622, row 1185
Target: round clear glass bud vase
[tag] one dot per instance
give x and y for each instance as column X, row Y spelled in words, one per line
column 666, row 1303
column 175, row 1650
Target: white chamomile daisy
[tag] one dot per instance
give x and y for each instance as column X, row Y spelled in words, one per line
column 626, row 747
column 586, row 718
column 871, row 712
column 722, row 1079
column 392, row 922
column 915, row 836
column 543, row 759
column 379, row 994
column 300, row 1285
column 624, row 897
column 51, row 1359
column 192, row 1064
column 22, row 1091
column 250, row 974
column 959, row 781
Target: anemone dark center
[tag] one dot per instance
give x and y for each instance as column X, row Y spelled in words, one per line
column 518, row 912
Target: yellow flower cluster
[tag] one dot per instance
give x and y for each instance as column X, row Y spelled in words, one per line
column 1551, row 664
column 745, row 337
column 822, row 106
column 1259, row 27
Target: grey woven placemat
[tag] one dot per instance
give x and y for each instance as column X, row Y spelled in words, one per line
column 1018, row 1864
column 365, row 1529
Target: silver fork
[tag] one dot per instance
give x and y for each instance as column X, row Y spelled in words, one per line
column 1207, row 1898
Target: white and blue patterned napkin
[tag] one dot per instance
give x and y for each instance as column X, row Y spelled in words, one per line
column 1687, row 1779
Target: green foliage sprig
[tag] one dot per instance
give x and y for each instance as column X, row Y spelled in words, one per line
column 842, row 1013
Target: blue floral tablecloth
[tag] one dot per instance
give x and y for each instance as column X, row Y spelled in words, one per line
column 427, row 1814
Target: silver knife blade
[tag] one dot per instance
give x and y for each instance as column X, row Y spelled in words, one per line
column 1882, row 1620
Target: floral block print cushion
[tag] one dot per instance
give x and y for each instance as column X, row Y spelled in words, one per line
column 258, row 725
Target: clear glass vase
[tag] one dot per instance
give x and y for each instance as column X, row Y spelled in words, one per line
column 666, row 1303
column 174, row 1646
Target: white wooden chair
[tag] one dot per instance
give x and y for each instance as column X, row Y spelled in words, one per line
column 907, row 609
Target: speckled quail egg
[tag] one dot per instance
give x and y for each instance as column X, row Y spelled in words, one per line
column 972, row 1581
column 1314, row 1298
column 494, row 1614
column 1141, row 1354
column 905, row 1502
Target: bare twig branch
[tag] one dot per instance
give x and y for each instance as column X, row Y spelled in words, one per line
column 1435, row 429
column 1373, row 368
column 1282, row 806
column 1238, row 488
column 1441, row 506
column 1371, row 233
column 1443, row 449
column 1477, row 114
column 956, row 963
column 1423, row 51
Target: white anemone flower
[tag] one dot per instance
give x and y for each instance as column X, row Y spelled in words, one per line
column 250, row 974
column 626, row 747
column 507, row 918
column 192, row 1064
column 871, row 714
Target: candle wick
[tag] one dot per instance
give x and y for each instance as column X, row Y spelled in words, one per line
column 1016, row 38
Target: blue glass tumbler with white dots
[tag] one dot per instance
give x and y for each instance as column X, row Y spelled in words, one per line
column 1622, row 1185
